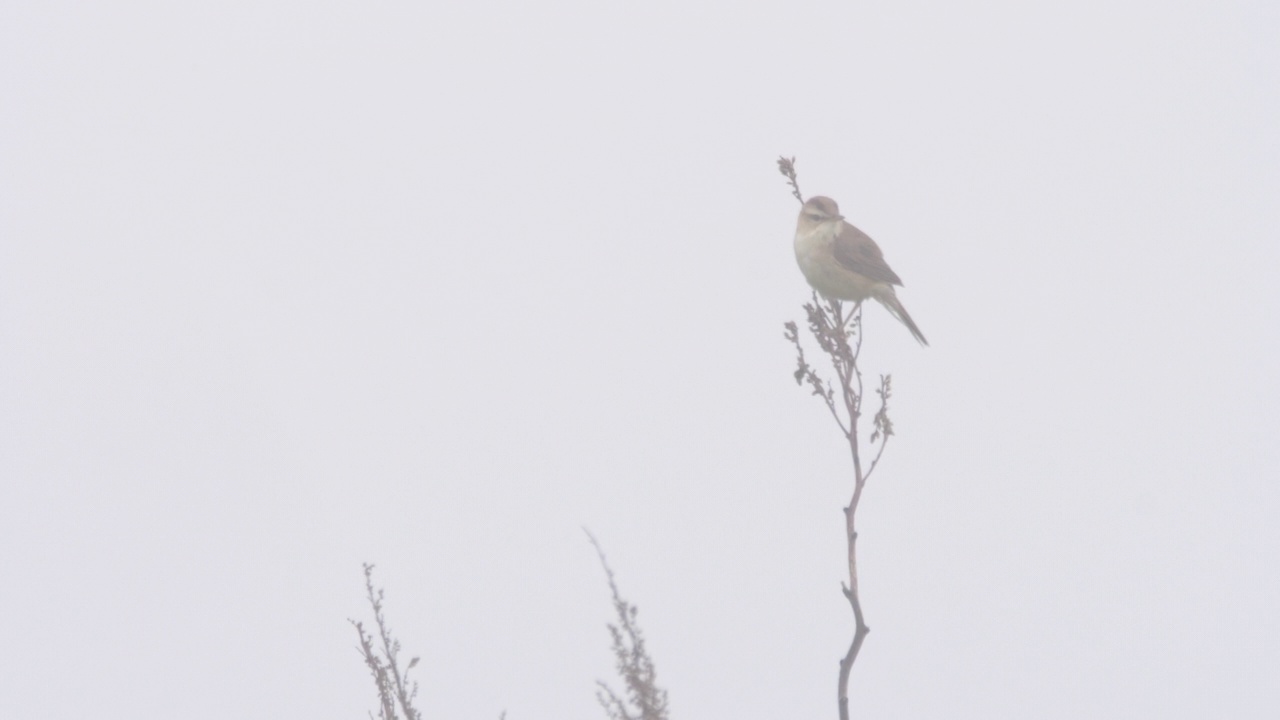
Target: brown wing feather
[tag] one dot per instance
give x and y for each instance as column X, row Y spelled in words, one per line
column 857, row 252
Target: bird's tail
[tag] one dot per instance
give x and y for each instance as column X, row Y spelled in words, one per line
column 889, row 299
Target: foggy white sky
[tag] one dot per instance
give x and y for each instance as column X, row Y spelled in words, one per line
column 287, row 286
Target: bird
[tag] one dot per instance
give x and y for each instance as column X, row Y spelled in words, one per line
column 843, row 263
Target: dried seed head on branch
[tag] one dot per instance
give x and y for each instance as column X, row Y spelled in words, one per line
column 787, row 166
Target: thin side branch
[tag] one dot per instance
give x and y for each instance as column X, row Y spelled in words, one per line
column 883, row 425
column 806, row 374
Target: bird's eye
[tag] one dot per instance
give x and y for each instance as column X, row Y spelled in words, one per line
column 815, row 216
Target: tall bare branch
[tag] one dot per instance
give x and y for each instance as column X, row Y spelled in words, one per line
column 837, row 331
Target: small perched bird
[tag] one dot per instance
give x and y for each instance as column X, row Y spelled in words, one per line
column 842, row 263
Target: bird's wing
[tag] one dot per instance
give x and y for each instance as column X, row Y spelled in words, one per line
column 857, row 252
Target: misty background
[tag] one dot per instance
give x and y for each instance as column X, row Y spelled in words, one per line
column 286, row 287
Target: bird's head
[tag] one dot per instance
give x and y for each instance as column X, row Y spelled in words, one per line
column 817, row 211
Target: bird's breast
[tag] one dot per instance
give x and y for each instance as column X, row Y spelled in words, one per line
column 815, row 253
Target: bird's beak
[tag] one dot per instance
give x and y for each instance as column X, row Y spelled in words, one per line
column 838, row 217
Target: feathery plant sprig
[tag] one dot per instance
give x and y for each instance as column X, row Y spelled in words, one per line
column 644, row 700
column 395, row 689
